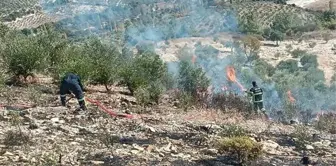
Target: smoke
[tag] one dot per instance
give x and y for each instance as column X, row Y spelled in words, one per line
column 158, row 20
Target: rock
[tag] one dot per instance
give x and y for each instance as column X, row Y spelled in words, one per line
column 23, row 159
column 209, row 151
column 97, row 162
column 33, row 160
column 8, row 154
column 167, row 148
column 135, row 151
column 309, row 147
column 269, row 144
column 137, row 147
column 324, row 143
column 150, row 148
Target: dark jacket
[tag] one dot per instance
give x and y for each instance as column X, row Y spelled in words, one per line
column 71, row 83
column 257, row 94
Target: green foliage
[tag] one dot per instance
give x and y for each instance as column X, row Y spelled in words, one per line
column 148, row 72
column 263, row 69
column 23, row 55
column 273, row 35
column 104, row 61
column 309, row 60
column 191, row 78
column 76, row 62
column 3, row 30
column 301, row 137
column 242, row 148
column 249, row 24
column 297, row 53
column 233, row 131
column 289, row 65
column 326, row 122
column 206, row 52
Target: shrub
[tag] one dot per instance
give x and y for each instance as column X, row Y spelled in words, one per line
column 145, row 71
column 309, row 60
column 263, row 69
column 104, row 62
column 230, row 102
column 76, row 62
column 289, row 65
column 252, row 43
column 16, row 138
column 243, row 149
column 326, row 122
column 326, row 36
column 23, row 55
column 233, row 131
column 312, row 44
column 297, row 53
column 192, row 79
column 301, row 137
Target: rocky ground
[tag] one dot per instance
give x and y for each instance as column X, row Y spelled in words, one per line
column 48, row 134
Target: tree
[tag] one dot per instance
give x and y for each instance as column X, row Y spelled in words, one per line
column 249, row 24
column 252, row 43
column 192, row 78
column 276, row 36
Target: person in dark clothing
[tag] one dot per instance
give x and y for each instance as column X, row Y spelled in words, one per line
column 257, row 97
column 71, row 83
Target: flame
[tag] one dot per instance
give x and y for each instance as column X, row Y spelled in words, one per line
column 290, row 97
column 231, row 75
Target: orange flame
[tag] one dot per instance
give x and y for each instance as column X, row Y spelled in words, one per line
column 290, row 97
column 231, row 75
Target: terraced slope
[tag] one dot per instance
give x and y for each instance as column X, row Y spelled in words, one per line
column 12, row 9
column 266, row 11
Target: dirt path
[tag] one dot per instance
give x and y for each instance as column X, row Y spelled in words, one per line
column 301, row 3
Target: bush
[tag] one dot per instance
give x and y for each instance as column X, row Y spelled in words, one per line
column 309, row 60
column 233, row 131
column 297, row 53
column 192, row 79
column 104, row 62
column 263, row 69
column 16, row 138
column 76, row 62
column 146, row 71
column 230, row 102
column 326, row 122
column 288, row 65
column 301, row 137
column 243, row 149
column 23, row 55
column 252, row 43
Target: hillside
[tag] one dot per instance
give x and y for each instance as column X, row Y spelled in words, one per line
column 175, row 75
column 162, row 135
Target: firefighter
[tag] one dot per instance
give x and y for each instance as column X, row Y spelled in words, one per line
column 71, row 84
column 256, row 93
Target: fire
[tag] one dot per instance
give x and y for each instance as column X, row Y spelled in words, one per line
column 231, row 75
column 290, row 97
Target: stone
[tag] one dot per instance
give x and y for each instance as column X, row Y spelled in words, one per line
column 269, row 144
column 137, row 147
column 134, row 151
column 97, row 162
column 150, row 148
column 8, row 154
column 309, row 147
column 209, row 151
